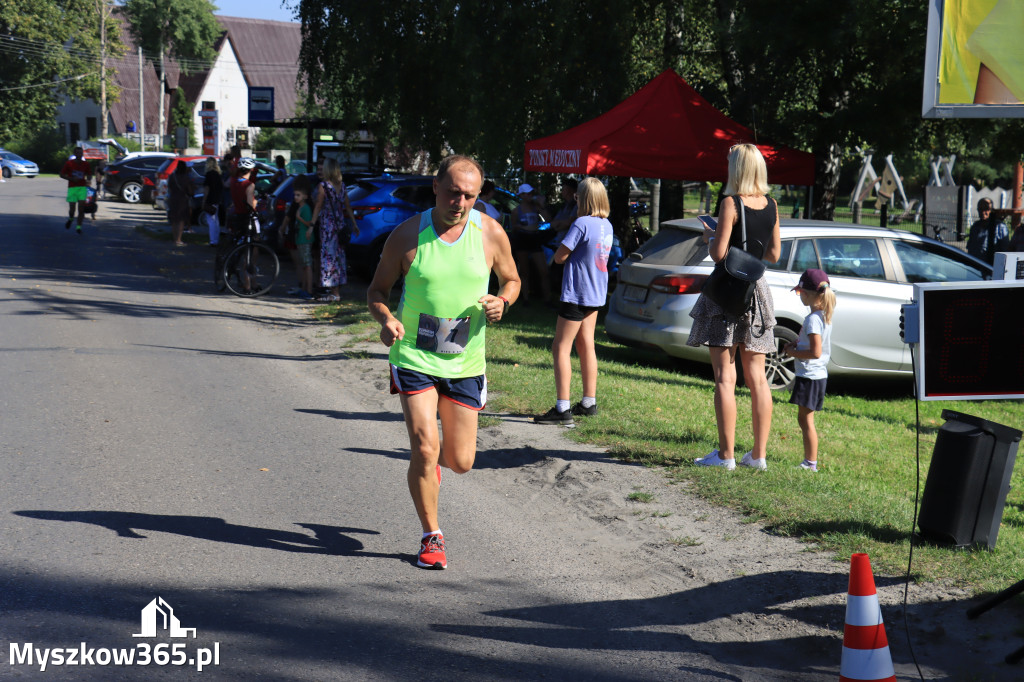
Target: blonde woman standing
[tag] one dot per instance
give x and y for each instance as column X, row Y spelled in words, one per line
column 751, row 337
column 584, row 250
column 332, row 209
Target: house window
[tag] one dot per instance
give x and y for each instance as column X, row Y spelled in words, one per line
column 90, row 127
column 76, row 133
column 64, row 131
column 209, row 106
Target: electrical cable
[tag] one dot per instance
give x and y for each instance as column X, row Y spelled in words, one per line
column 49, row 83
column 917, row 493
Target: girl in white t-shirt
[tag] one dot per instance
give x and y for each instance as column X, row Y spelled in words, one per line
column 811, row 352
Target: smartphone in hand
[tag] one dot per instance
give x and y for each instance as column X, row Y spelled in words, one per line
column 709, row 221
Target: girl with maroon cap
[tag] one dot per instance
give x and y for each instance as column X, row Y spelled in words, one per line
column 811, row 352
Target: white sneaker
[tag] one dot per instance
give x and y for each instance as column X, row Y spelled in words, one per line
column 748, row 461
column 809, row 466
column 713, row 460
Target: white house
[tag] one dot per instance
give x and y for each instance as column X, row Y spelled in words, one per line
column 250, row 53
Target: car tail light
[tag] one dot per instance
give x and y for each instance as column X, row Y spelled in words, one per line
column 361, row 212
column 147, row 181
column 113, row 172
column 678, row 284
column 280, row 206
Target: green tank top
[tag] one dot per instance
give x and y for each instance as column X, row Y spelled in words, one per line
column 444, row 322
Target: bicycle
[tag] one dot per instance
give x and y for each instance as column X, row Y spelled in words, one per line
column 250, row 268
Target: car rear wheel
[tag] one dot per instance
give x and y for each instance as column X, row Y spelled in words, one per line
column 132, row 192
column 779, row 369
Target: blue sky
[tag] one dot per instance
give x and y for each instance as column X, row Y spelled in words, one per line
column 255, row 9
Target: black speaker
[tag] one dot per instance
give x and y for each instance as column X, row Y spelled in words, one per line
column 968, row 481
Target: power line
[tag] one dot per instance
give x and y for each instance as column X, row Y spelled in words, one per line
column 49, row 83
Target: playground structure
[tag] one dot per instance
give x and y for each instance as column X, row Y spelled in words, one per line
column 888, row 188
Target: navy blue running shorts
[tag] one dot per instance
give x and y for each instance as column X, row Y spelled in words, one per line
column 469, row 392
column 809, row 393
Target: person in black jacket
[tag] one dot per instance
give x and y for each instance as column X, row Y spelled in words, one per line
column 213, row 185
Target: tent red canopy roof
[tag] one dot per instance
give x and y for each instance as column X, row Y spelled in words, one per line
column 664, row 130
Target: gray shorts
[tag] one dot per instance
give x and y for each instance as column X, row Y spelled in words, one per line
column 305, row 254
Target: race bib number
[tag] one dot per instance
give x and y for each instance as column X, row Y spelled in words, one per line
column 447, row 335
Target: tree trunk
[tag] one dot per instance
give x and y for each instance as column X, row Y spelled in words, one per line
column 826, row 181
column 103, row 70
column 671, row 200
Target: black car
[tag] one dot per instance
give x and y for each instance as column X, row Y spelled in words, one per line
column 133, row 179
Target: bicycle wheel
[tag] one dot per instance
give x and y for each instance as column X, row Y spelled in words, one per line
column 251, row 269
column 218, row 268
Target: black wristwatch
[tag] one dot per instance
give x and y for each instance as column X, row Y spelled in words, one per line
column 507, row 304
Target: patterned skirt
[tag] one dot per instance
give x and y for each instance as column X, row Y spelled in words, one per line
column 711, row 326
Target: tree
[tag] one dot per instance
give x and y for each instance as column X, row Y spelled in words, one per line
column 181, row 116
column 479, row 78
column 49, row 49
column 183, row 29
column 854, row 79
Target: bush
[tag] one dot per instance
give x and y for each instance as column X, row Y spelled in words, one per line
column 46, row 147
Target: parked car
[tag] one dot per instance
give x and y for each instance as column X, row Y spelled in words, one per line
column 12, row 164
column 380, row 204
column 134, row 179
column 273, row 207
column 872, row 271
column 196, row 166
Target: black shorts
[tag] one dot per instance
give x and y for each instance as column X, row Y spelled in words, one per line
column 574, row 312
column 809, row 393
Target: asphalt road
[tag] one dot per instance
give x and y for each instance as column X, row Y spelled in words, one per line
column 139, row 411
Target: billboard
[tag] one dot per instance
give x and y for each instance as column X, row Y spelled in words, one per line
column 974, row 64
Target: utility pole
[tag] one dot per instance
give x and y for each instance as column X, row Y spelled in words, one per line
column 103, row 7
column 142, row 107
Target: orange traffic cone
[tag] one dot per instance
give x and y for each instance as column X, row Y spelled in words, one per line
column 865, row 647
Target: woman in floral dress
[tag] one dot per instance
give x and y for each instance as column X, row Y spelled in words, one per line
column 332, row 209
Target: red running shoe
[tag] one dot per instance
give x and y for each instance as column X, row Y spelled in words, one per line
column 432, row 552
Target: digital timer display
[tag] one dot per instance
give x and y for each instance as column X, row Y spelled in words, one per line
column 972, row 340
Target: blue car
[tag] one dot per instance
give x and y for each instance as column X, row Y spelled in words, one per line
column 380, row 204
column 12, row 164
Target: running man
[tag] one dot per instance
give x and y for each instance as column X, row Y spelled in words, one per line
column 446, row 255
column 78, row 173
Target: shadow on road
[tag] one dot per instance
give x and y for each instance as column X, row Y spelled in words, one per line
column 331, row 540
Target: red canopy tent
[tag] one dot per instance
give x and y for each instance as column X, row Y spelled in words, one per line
column 665, row 130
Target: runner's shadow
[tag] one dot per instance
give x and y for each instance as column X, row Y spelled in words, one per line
column 331, row 540
column 367, row 416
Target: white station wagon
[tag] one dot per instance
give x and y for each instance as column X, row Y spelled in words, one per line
column 871, row 269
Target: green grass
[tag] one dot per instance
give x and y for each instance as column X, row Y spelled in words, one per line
column 659, row 411
column 656, row 410
column 640, row 497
